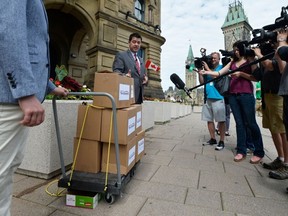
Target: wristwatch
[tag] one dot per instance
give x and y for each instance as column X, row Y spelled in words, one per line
column 281, row 39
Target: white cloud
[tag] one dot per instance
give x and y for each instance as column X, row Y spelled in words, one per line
column 198, row 23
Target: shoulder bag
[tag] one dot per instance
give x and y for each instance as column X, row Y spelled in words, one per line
column 223, row 84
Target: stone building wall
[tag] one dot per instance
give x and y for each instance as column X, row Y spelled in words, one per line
column 85, row 36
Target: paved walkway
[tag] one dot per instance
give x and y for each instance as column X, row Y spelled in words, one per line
column 177, row 176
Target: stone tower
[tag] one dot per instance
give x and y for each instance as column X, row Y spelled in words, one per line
column 236, row 25
column 190, row 75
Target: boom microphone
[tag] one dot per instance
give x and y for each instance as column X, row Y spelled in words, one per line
column 179, row 83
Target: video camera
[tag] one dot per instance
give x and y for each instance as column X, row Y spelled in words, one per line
column 205, row 58
column 226, row 53
column 264, row 39
column 267, row 34
column 280, row 22
column 226, row 56
column 244, row 50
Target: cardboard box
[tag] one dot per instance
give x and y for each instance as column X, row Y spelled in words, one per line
column 92, row 124
column 138, row 110
column 118, row 85
column 140, row 145
column 126, row 125
column 89, row 155
column 83, row 200
column 127, row 157
column 132, row 93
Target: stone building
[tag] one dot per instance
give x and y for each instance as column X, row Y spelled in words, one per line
column 236, row 25
column 85, row 36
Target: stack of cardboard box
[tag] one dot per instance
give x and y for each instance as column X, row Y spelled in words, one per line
column 92, row 148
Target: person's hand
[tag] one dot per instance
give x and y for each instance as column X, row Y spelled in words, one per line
column 129, row 73
column 201, row 72
column 257, row 52
column 34, row 113
column 282, row 36
column 60, row 91
column 236, row 74
column 282, row 41
column 145, row 80
column 205, row 65
column 204, row 72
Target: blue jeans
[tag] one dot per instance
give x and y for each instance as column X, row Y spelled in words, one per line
column 249, row 140
column 243, row 109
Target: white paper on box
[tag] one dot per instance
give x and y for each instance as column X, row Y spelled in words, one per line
column 131, row 155
column 132, row 91
column 138, row 119
column 70, row 200
column 124, row 92
column 131, row 125
column 140, row 146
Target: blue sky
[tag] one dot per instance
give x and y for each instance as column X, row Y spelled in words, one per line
column 198, row 23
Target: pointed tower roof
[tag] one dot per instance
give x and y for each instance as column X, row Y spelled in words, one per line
column 235, row 15
column 190, row 59
column 190, row 54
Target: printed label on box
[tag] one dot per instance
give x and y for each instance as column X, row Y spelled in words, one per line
column 131, row 155
column 139, row 119
column 124, row 92
column 70, row 200
column 140, row 146
column 132, row 91
column 131, row 125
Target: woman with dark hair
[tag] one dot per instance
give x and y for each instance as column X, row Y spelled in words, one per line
column 242, row 103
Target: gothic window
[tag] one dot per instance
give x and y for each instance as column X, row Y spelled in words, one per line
column 139, row 9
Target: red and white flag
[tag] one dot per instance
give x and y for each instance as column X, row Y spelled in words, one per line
column 150, row 65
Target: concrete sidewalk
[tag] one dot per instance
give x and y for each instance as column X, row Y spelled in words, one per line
column 177, row 176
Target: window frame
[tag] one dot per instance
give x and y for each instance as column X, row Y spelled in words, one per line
column 139, row 9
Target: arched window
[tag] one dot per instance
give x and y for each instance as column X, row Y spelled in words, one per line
column 139, row 9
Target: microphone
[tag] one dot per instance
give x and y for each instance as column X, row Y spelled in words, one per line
column 283, row 53
column 179, row 83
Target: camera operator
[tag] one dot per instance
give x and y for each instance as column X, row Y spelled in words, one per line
column 214, row 107
column 283, row 91
column 242, row 103
column 272, row 109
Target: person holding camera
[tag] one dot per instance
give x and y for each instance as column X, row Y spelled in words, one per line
column 272, row 110
column 214, row 107
column 283, row 91
column 242, row 102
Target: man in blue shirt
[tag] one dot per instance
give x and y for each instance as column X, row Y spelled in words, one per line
column 214, row 107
